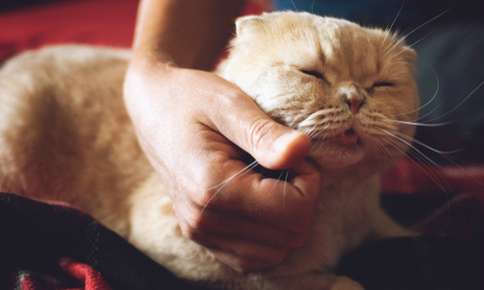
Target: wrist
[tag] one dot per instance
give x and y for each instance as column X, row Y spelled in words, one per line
column 149, row 61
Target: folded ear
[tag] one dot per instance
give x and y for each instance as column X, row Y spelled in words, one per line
column 248, row 24
column 409, row 54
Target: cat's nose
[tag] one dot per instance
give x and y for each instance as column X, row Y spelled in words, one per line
column 353, row 98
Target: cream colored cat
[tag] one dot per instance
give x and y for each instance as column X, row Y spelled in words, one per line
column 65, row 134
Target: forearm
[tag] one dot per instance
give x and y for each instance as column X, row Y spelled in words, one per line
column 189, row 33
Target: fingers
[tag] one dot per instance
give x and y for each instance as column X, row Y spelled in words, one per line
column 288, row 206
column 240, row 255
column 250, row 221
column 244, row 206
column 239, row 118
column 206, row 222
column 223, row 107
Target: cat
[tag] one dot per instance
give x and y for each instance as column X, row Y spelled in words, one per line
column 65, row 135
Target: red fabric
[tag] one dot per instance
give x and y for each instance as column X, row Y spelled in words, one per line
column 92, row 280
column 102, row 22
column 86, row 277
column 462, row 216
column 410, row 177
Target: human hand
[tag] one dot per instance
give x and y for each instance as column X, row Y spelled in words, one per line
column 191, row 125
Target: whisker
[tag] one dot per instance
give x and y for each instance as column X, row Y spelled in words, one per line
column 457, row 165
column 421, row 124
column 432, row 172
column 312, row 6
column 284, row 191
column 425, row 23
column 278, row 179
column 427, row 164
column 442, row 152
column 429, row 171
column 413, row 44
column 404, row 37
column 250, row 166
column 460, row 103
column 396, row 17
column 380, row 145
column 434, row 96
column 224, row 183
column 294, row 5
column 412, row 147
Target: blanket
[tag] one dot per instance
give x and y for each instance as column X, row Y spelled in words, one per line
column 52, row 246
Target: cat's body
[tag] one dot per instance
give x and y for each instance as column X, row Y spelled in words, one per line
column 65, row 135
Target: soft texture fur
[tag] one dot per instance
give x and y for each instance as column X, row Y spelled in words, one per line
column 65, row 135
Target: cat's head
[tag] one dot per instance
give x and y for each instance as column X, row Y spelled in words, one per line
column 349, row 87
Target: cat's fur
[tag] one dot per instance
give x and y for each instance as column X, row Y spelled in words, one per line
column 65, row 135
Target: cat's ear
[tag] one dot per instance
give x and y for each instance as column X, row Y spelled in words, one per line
column 409, row 54
column 248, row 24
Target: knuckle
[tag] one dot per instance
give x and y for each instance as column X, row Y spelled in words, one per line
column 232, row 96
column 188, row 231
column 200, row 197
column 207, row 187
column 194, row 235
column 196, row 219
column 200, row 186
column 205, row 196
column 259, row 131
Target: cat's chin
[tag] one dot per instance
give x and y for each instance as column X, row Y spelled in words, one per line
column 338, row 156
column 339, row 152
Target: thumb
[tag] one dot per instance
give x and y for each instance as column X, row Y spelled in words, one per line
column 273, row 145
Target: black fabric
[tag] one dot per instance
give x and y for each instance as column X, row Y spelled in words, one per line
column 449, row 68
column 35, row 235
column 425, row 263
column 16, row 4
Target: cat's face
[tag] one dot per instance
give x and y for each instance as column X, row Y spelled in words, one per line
column 348, row 87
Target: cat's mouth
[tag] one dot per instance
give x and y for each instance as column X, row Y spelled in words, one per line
column 339, row 151
column 349, row 138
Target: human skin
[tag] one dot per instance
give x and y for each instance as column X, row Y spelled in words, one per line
column 194, row 126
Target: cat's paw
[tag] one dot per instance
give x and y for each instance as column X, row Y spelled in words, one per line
column 345, row 283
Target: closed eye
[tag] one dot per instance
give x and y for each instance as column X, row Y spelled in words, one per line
column 383, row 84
column 314, row 73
